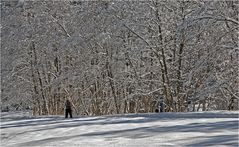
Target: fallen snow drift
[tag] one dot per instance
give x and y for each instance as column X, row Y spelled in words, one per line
column 218, row 128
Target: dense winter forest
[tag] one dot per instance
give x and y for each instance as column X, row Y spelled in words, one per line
column 113, row 57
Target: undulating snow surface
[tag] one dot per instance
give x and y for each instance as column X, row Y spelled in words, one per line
column 218, row 128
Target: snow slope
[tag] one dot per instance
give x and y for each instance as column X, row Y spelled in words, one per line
column 218, row 128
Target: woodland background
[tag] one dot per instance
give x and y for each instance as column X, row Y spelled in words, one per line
column 111, row 57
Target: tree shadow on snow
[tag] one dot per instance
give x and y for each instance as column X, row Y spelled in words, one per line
column 49, row 123
column 225, row 140
column 117, row 119
column 145, row 132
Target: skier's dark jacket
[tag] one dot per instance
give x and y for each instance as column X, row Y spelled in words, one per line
column 68, row 105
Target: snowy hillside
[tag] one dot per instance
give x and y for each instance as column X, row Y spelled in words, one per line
column 163, row 129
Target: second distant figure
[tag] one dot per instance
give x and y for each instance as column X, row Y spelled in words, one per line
column 68, row 109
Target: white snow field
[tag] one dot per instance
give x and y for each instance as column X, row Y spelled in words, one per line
column 219, row 128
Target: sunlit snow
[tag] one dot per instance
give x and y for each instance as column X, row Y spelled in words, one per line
column 218, row 128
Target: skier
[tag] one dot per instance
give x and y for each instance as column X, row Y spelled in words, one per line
column 161, row 106
column 68, row 109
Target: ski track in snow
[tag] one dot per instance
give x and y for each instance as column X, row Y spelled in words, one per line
column 219, row 128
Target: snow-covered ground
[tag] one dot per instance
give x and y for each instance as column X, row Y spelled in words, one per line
column 218, row 128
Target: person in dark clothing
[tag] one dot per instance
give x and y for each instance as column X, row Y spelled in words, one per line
column 68, row 108
column 161, row 106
